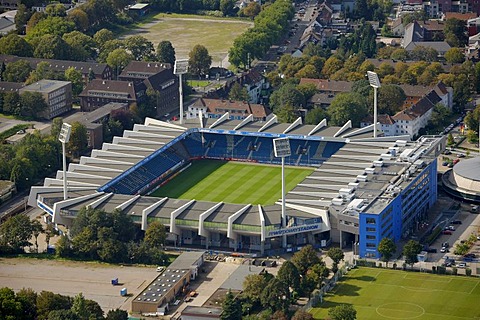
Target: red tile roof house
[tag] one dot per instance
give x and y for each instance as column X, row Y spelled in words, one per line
column 238, row 110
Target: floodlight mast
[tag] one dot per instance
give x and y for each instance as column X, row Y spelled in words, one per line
column 180, row 68
column 64, row 137
column 281, row 148
column 375, row 83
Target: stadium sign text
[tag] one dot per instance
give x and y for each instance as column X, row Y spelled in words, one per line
column 293, row 230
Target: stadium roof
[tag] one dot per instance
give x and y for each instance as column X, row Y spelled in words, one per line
column 365, row 168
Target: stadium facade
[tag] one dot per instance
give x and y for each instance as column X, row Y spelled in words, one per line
column 362, row 189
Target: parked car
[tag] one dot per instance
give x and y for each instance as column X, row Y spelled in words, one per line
column 447, row 152
column 447, row 232
column 445, row 163
column 443, row 250
column 461, row 155
column 445, row 244
column 431, row 250
column 461, row 265
column 456, row 222
column 470, row 255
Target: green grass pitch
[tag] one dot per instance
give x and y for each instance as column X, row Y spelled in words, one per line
column 389, row 294
column 232, row 182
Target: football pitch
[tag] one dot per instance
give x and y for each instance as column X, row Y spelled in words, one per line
column 389, row 294
column 231, row 182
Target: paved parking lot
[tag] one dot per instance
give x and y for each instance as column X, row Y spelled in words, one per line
column 70, row 278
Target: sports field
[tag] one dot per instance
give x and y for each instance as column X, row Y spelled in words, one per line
column 186, row 31
column 389, row 294
column 232, row 182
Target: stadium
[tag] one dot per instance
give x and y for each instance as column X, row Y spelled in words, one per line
column 463, row 181
column 348, row 187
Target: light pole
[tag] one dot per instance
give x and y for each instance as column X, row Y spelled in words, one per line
column 375, row 83
column 64, row 137
column 181, row 67
column 281, row 148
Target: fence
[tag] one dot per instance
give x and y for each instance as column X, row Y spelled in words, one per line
column 317, row 295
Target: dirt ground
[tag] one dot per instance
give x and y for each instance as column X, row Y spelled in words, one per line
column 70, row 278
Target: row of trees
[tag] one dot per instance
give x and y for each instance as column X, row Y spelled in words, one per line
column 95, row 235
column 112, row 237
column 411, row 249
column 26, row 104
column 29, row 305
column 305, row 272
column 269, row 26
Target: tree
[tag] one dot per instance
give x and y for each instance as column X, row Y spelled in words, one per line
column 51, row 46
column 456, row 32
column 33, row 104
column 386, row 248
column 21, row 18
column 57, row 10
column 199, row 60
column 252, row 10
column 119, row 59
column 302, row 315
column 332, row 65
column 79, row 18
column 286, row 113
column 117, row 314
column 315, row 115
column 253, row 286
column 28, row 300
column 10, row 307
column 347, row 106
column 421, row 53
column 102, row 36
column 336, row 254
column 76, row 78
column 78, row 139
column 226, row 6
column 450, row 140
column 56, row 126
column 54, row 26
column 305, row 259
column 343, row 312
column 238, row 93
column 288, row 94
column 289, row 275
column 166, row 52
column 155, row 235
column 37, row 228
column 82, row 47
column 63, row 315
column 274, row 295
column 48, row 301
column 17, row 71
column 16, row 232
column 15, row 45
column 140, row 48
column 318, row 273
column 231, row 308
column 79, row 307
column 410, row 251
column 454, row 55
column 390, row 98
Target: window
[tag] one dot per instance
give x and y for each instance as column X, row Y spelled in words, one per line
column 369, row 237
column 371, row 245
column 371, row 221
column 371, row 229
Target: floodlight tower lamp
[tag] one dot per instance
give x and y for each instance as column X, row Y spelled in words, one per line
column 375, row 83
column 64, row 137
column 180, row 68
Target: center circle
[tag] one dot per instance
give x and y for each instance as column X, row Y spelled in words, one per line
column 398, row 310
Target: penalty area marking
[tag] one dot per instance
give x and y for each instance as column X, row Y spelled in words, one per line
column 390, row 310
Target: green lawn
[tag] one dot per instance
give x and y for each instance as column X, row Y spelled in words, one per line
column 231, row 182
column 389, row 294
column 198, row 83
column 186, row 31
